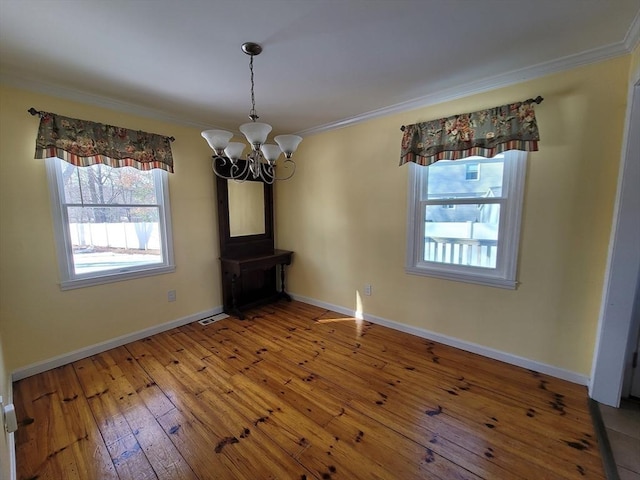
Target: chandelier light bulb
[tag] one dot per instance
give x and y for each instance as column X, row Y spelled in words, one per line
column 234, row 151
column 256, row 133
column 288, row 143
column 217, row 139
column 271, row 152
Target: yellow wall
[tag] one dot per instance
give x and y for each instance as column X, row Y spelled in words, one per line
column 39, row 321
column 344, row 215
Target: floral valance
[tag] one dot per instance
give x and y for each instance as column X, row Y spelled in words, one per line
column 484, row 133
column 83, row 143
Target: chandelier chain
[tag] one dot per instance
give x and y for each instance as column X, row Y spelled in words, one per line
column 252, row 113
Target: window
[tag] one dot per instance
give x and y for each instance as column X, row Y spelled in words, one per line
column 477, row 240
column 473, row 171
column 110, row 223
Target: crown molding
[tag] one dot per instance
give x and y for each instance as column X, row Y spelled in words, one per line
column 491, row 83
column 632, row 38
column 59, row 91
column 487, row 84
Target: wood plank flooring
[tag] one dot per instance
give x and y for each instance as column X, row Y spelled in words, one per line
column 298, row 392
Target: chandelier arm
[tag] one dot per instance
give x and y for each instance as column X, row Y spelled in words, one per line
column 214, row 160
column 233, row 168
column 242, row 175
column 267, row 174
column 292, row 166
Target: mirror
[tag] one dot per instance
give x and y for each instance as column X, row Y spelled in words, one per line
column 246, row 208
column 245, row 218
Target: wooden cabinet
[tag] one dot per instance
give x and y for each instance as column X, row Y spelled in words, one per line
column 250, row 265
column 250, row 281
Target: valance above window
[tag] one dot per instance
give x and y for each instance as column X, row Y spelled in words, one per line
column 484, row 133
column 83, row 143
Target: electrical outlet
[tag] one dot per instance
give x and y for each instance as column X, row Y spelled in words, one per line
column 367, row 290
column 171, row 295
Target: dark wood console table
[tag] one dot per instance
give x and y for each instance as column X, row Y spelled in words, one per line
column 248, row 281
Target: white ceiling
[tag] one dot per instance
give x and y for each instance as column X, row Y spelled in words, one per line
column 325, row 63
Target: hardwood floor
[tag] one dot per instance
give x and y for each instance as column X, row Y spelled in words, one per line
column 298, row 392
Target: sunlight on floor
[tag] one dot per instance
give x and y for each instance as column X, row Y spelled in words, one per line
column 358, row 319
column 359, row 308
column 358, row 322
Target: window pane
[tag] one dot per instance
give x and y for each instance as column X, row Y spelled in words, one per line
column 450, row 179
column 473, row 170
column 466, row 229
column 112, row 238
column 464, row 235
column 100, row 184
column 110, row 224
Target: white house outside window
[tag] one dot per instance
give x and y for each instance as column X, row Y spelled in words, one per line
column 462, row 230
column 110, row 223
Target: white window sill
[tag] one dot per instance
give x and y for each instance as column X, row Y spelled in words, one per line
column 111, row 277
column 464, row 277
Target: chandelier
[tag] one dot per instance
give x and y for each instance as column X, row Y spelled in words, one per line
column 260, row 162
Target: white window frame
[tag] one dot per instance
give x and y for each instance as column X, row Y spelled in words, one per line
column 505, row 273
column 68, row 278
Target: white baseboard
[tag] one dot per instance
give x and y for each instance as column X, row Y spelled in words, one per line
column 60, row 360
column 516, row 360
